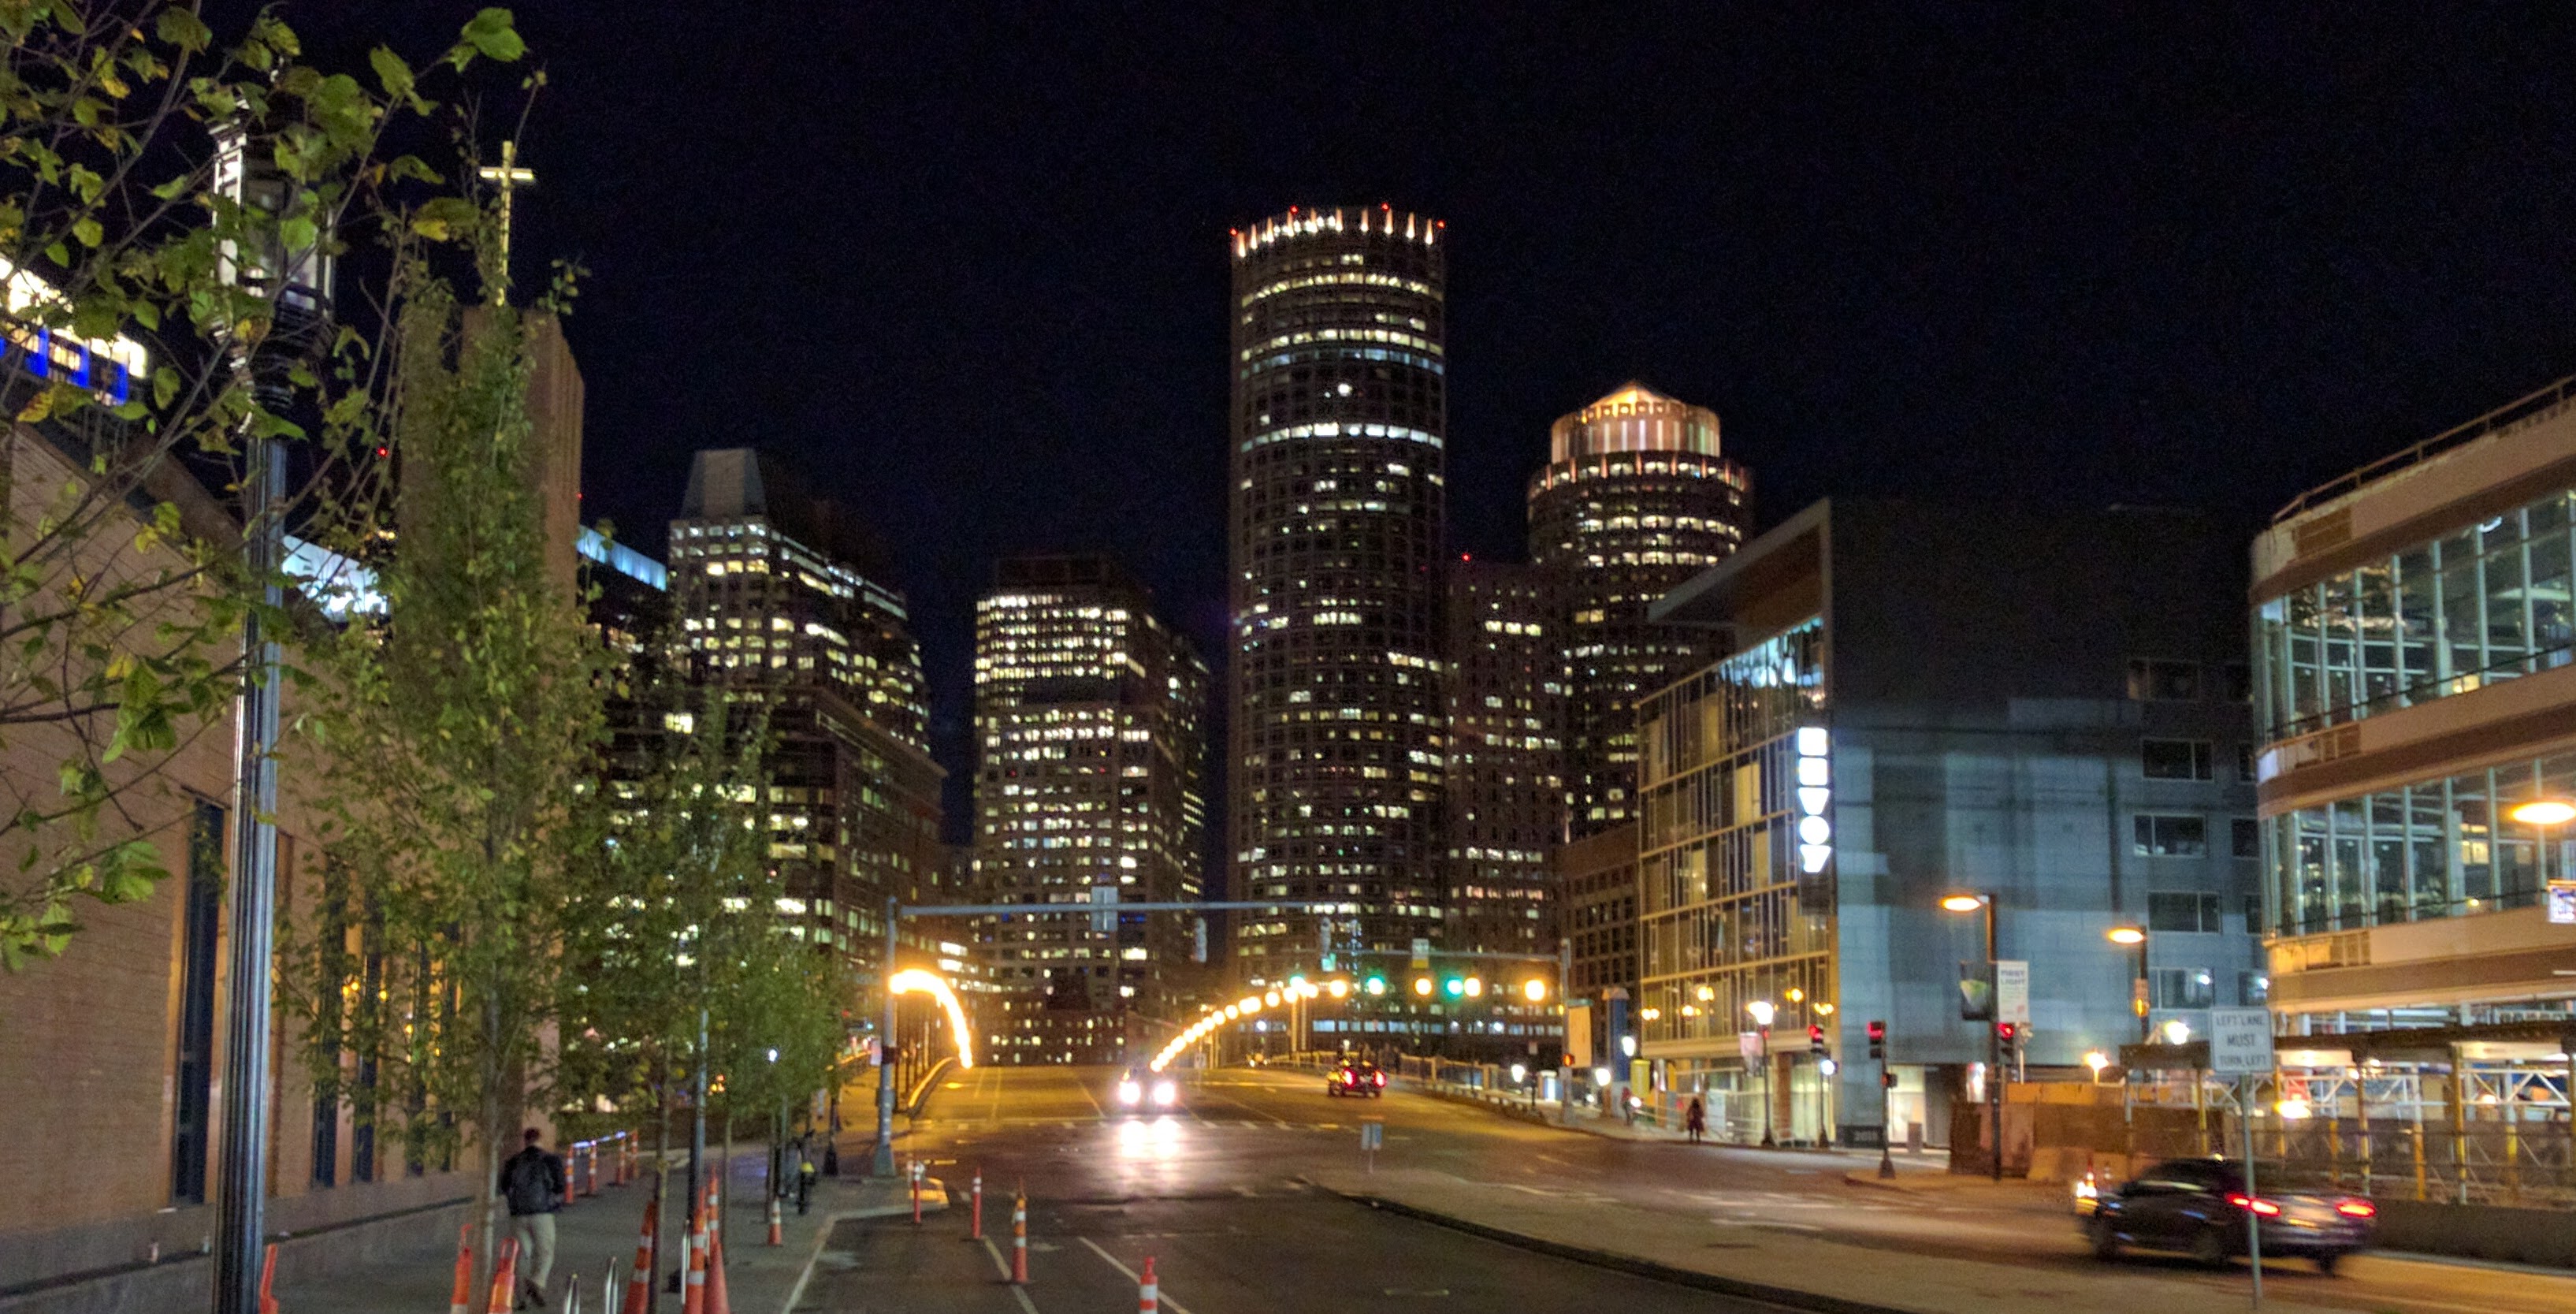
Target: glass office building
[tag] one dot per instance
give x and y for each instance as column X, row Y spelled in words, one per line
column 2414, row 627
column 1338, row 740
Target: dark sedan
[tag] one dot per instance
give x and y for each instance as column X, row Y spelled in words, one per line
column 2199, row 1207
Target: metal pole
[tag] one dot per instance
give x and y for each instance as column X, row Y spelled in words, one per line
column 243, row 1202
column 1565, row 1031
column 698, row 1116
column 2253, row 1232
column 882, row 1165
column 1994, row 1046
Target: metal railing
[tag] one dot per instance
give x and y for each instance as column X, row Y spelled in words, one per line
column 2530, row 408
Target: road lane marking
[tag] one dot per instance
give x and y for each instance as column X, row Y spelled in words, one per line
column 1112, row 1260
column 1004, row 1270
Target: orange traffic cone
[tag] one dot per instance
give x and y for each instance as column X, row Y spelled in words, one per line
column 717, row 1301
column 693, row 1297
column 1149, row 1293
column 777, row 1225
column 268, row 1279
column 639, row 1284
column 462, row 1294
column 505, row 1279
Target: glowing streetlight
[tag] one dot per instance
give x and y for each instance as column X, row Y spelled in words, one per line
column 2177, row 1031
column 2125, row 935
column 1534, row 990
column 2097, row 1060
column 1963, row 903
column 1762, row 1012
column 2544, row 812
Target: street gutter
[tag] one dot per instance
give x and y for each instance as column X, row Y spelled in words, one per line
column 1784, row 1297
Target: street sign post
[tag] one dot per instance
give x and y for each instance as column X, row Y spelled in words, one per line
column 2240, row 1045
column 1372, row 1140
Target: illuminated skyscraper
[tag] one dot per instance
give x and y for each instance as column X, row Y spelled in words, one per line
column 1506, row 785
column 1635, row 499
column 779, row 597
column 1338, row 735
column 1090, row 734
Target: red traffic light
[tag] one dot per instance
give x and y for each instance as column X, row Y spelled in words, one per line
column 2005, row 1031
column 1878, row 1031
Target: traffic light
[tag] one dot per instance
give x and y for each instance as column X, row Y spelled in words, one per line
column 1375, row 984
column 1475, row 987
column 1816, row 1041
column 2007, row 1035
column 1454, row 986
column 1535, row 990
column 1422, row 986
column 1878, row 1041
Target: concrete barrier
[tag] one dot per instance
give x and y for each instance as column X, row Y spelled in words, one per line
column 2518, row 1236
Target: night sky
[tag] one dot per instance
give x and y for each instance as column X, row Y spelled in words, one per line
column 967, row 267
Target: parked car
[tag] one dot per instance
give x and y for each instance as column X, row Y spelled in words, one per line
column 2199, row 1207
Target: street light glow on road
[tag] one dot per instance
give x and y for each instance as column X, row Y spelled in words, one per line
column 1298, row 988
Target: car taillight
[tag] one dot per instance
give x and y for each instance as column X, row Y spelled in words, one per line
column 1345, row 1075
column 2253, row 1205
column 2357, row 1209
column 1381, row 1078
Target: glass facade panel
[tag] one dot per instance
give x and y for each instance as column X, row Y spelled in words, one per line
column 2486, row 603
column 1734, row 837
column 2435, row 848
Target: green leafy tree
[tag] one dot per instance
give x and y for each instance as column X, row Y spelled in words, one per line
column 125, row 319
column 462, row 731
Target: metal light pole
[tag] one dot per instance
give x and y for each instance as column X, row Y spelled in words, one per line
column 1763, row 1012
column 298, row 287
column 882, row 1163
column 2136, row 936
column 1565, row 1030
column 1984, row 900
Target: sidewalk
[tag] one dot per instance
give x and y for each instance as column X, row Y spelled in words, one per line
column 596, row 1236
column 1763, row 1262
column 1592, row 1123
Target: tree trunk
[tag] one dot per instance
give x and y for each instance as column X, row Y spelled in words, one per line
column 724, row 1174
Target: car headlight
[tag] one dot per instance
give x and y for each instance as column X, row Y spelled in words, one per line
column 1129, row 1092
column 1165, row 1092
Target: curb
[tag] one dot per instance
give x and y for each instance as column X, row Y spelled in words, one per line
column 934, row 1199
column 1785, row 1297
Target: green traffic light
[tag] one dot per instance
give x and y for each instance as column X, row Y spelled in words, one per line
column 1453, row 987
column 1375, row 984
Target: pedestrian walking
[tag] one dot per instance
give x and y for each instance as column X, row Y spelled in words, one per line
column 804, row 1181
column 532, row 1181
column 1695, row 1119
column 1628, row 1105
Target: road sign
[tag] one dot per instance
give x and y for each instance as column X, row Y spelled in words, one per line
column 1104, row 922
column 876, row 1054
column 1372, row 1133
column 1421, row 954
column 1749, row 1044
column 2240, row 1041
column 2562, row 902
column 2012, row 991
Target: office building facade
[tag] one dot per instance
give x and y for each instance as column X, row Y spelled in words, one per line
column 1916, row 702
column 779, row 599
column 1506, row 783
column 1337, row 742
column 1090, row 718
column 1635, row 499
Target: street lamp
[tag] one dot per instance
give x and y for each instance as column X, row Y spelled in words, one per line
column 1762, row 1013
column 2136, row 937
column 1968, row 903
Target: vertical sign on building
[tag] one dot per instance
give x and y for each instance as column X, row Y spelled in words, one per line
column 2012, row 992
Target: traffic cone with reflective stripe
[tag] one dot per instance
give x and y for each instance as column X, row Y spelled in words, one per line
column 1149, row 1293
column 505, row 1279
column 717, row 1301
column 463, row 1293
column 693, row 1297
column 639, row 1285
column 777, row 1226
column 1020, row 1237
column 977, row 1231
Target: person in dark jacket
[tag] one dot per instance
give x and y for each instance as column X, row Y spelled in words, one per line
column 532, row 1181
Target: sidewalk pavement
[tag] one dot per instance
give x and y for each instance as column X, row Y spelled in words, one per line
column 1591, row 1123
column 1761, row 1260
column 596, row 1236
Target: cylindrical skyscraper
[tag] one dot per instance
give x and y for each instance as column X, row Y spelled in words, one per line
column 1337, row 741
column 1634, row 500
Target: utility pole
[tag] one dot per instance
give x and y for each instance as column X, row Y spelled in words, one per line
column 882, row 1163
column 297, row 286
column 1565, row 1030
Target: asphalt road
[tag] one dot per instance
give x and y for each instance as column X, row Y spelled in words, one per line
column 1211, row 1191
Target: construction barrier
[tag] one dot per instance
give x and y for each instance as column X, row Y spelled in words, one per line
column 639, row 1284
column 1149, row 1295
column 462, row 1295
